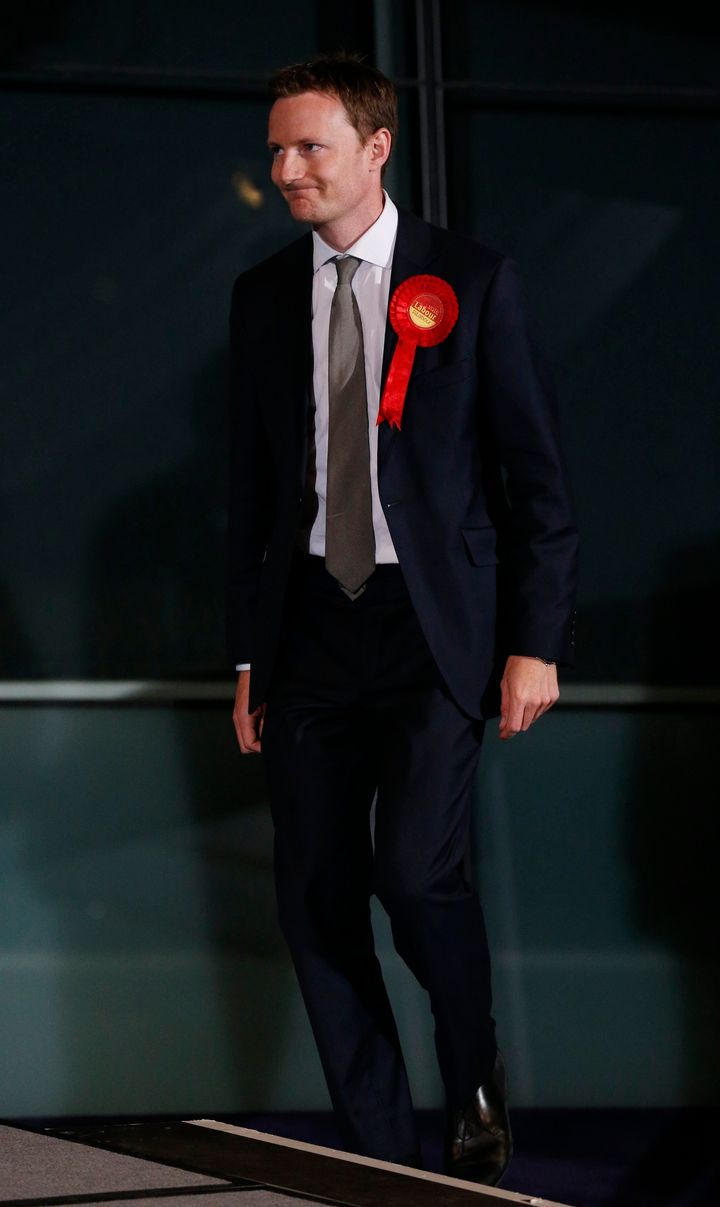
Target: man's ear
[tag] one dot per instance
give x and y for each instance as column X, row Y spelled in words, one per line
column 380, row 147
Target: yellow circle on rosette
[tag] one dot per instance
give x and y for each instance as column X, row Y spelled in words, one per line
column 426, row 311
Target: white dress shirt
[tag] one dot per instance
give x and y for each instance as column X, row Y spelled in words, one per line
column 371, row 286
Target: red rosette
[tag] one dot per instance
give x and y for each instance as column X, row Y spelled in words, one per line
column 423, row 311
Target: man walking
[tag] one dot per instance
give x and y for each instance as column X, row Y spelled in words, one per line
column 401, row 568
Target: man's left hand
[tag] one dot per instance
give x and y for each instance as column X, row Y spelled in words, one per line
column 529, row 688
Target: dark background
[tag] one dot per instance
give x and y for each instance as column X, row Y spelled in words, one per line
column 583, row 140
column 141, row 966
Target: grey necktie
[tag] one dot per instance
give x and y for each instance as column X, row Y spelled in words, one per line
column 349, row 535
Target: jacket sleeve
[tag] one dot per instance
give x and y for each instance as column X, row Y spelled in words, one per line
column 249, row 494
column 538, row 549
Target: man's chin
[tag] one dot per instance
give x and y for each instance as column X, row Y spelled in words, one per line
column 303, row 208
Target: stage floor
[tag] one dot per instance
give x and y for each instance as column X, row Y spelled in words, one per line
column 214, row 1164
column 581, row 1158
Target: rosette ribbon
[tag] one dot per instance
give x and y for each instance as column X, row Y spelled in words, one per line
column 423, row 311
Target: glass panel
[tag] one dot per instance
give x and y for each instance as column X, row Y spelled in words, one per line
column 500, row 41
column 136, row 215
column 219, row 35
column 224, row 36
column 402, row 179
column 613, row 221
column 137, row 901
column 395, row 38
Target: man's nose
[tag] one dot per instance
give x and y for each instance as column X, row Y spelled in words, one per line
column 289, row 167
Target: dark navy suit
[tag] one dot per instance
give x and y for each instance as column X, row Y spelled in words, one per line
column 389, row 693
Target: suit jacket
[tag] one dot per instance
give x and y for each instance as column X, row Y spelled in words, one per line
column 473, row 485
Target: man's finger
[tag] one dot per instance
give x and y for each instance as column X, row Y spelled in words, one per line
column 248, row 736
column 546, row 704
column 512, row 721
column 528, row 690
column 246, row 728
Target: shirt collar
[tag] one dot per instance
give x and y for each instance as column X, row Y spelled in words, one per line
column 375, row 245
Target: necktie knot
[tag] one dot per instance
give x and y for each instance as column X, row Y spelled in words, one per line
column 346, row 267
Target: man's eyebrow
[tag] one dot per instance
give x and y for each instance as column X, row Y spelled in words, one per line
column 297, row 142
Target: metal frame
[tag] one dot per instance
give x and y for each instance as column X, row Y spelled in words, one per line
column 432, row 117
column 122, row 692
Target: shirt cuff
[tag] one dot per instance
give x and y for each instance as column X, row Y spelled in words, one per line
column 243, row 666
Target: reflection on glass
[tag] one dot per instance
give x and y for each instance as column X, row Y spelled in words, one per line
column 613, row 221
column 247, row 191
column 516, row 42
column 137, row 215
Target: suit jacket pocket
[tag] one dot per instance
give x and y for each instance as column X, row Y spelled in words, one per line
column 443, row 376
column 481, row 545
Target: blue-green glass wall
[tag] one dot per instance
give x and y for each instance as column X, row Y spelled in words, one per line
column 142, row 967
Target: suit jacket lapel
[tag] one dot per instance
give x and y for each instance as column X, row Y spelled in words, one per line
column 413, row 254
column 293, row 309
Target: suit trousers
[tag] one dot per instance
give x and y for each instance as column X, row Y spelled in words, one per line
column 357, row 711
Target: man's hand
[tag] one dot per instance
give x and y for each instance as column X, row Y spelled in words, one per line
column 529, row 688
column 248, row 725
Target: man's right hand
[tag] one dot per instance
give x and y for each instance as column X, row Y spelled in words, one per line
column 248, row 725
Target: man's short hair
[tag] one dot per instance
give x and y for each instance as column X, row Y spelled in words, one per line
column 368, row 97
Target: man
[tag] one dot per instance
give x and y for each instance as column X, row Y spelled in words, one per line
column 367, row 566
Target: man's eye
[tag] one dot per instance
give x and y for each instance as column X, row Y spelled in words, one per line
column 312, row 146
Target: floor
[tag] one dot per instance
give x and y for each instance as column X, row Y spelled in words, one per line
column 175, row 1163
column 587, row 1158
column 583, row 1158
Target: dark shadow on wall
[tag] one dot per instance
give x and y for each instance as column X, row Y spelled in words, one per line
column 16, row 655
column 673, row 817
column 29, row 23
column 156, row 608
column 156, row 567
column 662, row 640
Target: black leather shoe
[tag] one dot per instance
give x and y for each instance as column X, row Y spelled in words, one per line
column 478, row 1141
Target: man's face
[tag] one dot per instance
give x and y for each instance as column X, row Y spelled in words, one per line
column 319, row 164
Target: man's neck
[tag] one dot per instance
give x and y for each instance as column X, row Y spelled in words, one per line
column 341, row 233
